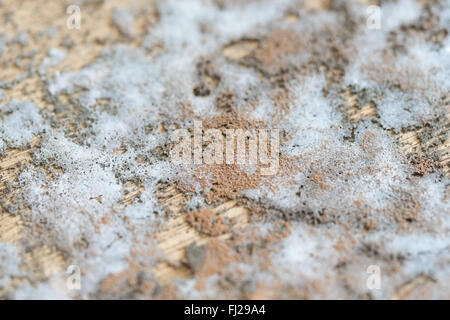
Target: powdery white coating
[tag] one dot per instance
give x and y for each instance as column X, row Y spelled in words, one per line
column 427, row 72
column 10, row 262
column 398, row 110
column 394, row 14
column 21, row 122
column 53, row 290
column 311, row 110
column 3, row 42
column 422, row 253
column 368, row 170
column 124, row 20
column 435, row 203
column 420, row 69
column 311, row 254
column 77, row 199
column 54, row 57
column 69, row 205
column 181, row 24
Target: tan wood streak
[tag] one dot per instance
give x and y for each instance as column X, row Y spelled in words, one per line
column 407, row 289
column 45, row 261
column 368, row 111
column 10, row 228
column 240, row 49
column 409, row 142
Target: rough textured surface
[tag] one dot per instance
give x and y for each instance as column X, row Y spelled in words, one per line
column 86, row 178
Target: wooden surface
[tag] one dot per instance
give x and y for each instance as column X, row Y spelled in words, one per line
column 97, row 32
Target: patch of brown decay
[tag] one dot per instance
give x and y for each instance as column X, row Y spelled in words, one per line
column 422, row 164
column 282, row 99
column 272, row 51
column 327, row 49
column 225, row 101
column 223, row 179
column 231, row 119
column 318, row 179
column 406, row 208
column 208, row 78
column 137, row 281
column 125, row 280
column 228, row 180
column 207, row 222
column 268, row 55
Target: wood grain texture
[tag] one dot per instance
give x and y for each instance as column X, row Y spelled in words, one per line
column 42, row 261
